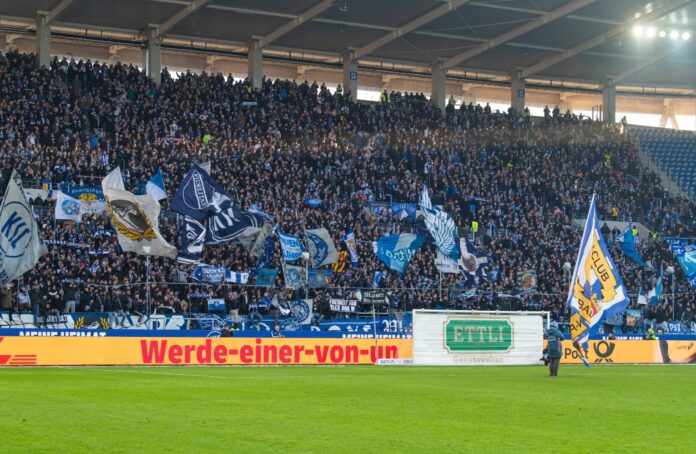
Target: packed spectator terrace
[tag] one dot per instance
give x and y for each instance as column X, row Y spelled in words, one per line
column 521, row 179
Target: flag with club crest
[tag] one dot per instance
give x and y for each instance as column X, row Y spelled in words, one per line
column 596, row 289
column 135, row 218
column 321, row 247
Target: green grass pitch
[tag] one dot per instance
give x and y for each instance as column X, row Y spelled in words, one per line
column 611, row 409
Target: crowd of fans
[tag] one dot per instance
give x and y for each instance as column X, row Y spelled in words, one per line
column 521, row 182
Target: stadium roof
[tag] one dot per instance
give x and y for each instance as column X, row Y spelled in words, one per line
column 571, row 40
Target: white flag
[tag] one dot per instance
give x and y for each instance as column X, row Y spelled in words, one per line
column 67, row 208
column 20, row 244
column 135, row 218
column 321, row 247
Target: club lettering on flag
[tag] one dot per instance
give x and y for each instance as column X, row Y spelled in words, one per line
column 596, row 290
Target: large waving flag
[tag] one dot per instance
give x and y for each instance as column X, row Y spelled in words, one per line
column 199, row 196
column 291, row 246
column 155, row 187
column 321, row 247
column 396, row 251
column 230, row 224
column 443, row 230
column 135, row 218
column 20, row 244
column 596, row 289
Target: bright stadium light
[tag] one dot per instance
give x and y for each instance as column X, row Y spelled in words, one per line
column 686, row 36
column 662, row 34
column 651, row 32
column 674, row 34
column 638, row 31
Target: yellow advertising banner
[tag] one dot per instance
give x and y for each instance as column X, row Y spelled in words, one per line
column 633, row 352
column 95, row 351
column 55, row 351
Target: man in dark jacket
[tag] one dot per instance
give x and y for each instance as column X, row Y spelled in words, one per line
column 554, row 340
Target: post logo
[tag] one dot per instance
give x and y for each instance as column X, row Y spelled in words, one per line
column 603, row 350
column 478, row 335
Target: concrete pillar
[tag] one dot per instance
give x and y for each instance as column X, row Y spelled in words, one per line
column 438, row 95
column 350, row 74
column 255, row 60
column 153, row 55
column 668, row 115
column 517, row 91
column 43, row 39
column 609, row 101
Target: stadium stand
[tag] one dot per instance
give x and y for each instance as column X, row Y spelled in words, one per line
column 522, row 180
column 675, row 153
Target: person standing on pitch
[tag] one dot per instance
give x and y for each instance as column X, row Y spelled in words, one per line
column 554, row 339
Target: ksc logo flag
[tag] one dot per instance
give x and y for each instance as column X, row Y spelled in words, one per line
column 596, row 289
column 67, row 208
column 20, row 245
column 291, row 246
column 199, row 195
column 396, row 251
column 321, row 247
column 135, row 218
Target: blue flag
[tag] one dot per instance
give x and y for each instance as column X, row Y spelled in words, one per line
column 396, row 251
column 653, row 297
column 192, row 240
column 199, row 196
column 319, row 278
column 313, row 202
column 685, row 254
column 628, row 246
column 231, row 223
column 155, row 187
column 266, row 277
column 291, row 246
column 208, row 274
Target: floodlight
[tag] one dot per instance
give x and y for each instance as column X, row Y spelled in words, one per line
column 651, row 32
column 662, row 34
column 686, row 36
column 674, row 34
column 638, row 31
